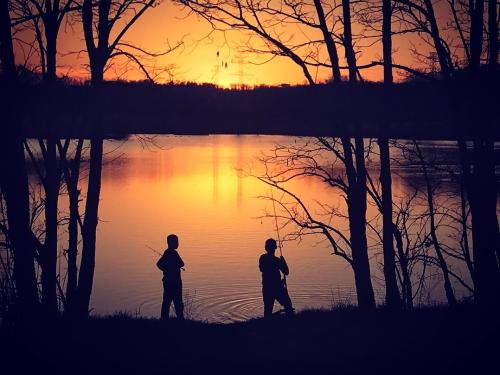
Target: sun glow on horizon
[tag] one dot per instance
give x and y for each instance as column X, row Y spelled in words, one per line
column 204, row 56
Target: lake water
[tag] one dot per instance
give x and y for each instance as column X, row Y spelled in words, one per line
column 198, row 188
column 194, row 187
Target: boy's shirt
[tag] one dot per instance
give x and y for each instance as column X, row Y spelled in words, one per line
column 171, row 263
column 270, row 266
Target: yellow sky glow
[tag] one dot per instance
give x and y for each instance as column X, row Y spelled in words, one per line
column 197, row 59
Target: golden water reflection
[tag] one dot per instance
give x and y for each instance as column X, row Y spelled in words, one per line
column 195, row 187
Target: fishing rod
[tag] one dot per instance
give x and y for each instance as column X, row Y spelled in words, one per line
column 160, row 254
column 276, row 222
column 154, row 251
column 277, row 232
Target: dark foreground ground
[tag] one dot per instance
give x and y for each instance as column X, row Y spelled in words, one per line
column 344, row 341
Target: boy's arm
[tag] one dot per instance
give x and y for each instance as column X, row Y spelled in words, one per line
column 181, row 262
column 261, row 265
column 161, row 264
column 284, row 266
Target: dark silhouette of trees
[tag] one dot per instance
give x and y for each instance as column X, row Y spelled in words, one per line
column 450, row 295
column 356, row 205
column 350, row 55
column 476, row 11
column 49, row 175
column 478, row 161
column 6, row 47
column 412, row 17
column 330, row 25
column 356, row 192
column 403, row 255
column 330, row 43
column 71, row 172
column 44, row 19
column 101, row 49
column 260, row 20
column 387, row 40
column 439, row 210
column 419, row 16
column 392, row 296
column 14, row 180
column 317, row 159
column 478, row 169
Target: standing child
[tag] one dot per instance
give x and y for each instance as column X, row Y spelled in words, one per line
column 171, row 263
column 273, row 288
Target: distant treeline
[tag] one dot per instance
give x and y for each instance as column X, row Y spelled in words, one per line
column 414, row 110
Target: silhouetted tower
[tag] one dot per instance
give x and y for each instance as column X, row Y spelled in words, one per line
column 241, row 74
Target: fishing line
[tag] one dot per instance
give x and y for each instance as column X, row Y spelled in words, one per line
column 276, row 222
column 153, row 250
column 278, row 230
column 160, row 254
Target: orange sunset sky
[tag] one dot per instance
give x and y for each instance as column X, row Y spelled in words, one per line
column 196, row 60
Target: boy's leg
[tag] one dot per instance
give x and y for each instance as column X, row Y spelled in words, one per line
column 284, row 299
column 178, row 303
column 167, row 301
column 268, row 297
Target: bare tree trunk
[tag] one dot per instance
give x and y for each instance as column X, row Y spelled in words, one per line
column 51, row 39
column 98, row 57
column 476, row 11
column 87, row 266
column 481, row 186
column 392, row 297
column 71, row 175
column 356, row 192
column 356, row 207
column 465, row 234
column 6, row 48
column 49, row 253
column 443, row 56
column 493, row 35
column 387, row 40
column 330, row 44
column 97, row 73
column 14, row 181
column 403, row 261
column 450, row 295
column 349, row 48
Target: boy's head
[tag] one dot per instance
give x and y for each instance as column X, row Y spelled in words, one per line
column 172, row 241
column 271, row 245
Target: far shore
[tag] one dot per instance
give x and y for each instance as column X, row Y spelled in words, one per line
column 418, row 110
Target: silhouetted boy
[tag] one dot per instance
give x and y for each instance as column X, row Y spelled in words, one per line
column 273, row 288
column 171, row 263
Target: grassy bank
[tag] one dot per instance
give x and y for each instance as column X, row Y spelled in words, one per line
column 344, row 341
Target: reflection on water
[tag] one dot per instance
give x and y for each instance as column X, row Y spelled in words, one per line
column 198, row 188
column 195, row 187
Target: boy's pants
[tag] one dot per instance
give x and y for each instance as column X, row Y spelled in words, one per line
column 172, row 293
column 270, row 293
